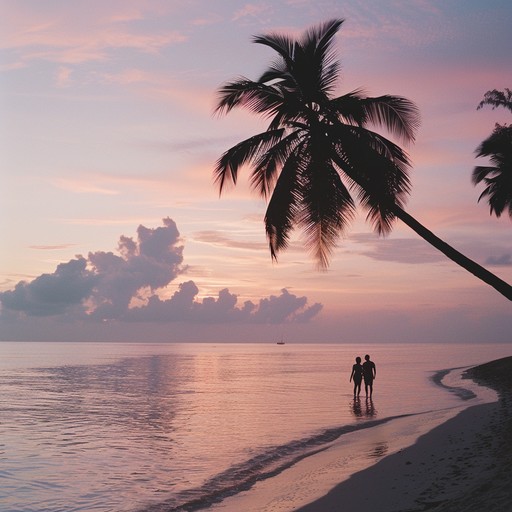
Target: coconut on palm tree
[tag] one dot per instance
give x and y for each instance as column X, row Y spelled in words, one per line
column 498, row 147
column 318, row 154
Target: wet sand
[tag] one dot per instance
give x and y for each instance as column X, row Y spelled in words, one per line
column 463, row 465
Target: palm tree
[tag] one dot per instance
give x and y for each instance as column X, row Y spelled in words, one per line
column 497, row 98
column 498, row 147
column 318, row 152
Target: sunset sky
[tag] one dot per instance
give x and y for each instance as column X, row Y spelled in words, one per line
column 112, row 228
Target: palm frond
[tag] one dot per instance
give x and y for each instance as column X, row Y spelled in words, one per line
column 379, row 171
column 277, row 72
column 329, row 77
column 380, row 207
column 319, row 40
column 314, row 67
column 498, row 190
column 496, row 99
column 260, row 98
column 280, row 43
column 325, row 54
column 364, row 149
column 398, row 115
column 348, row 108
column 326, row 209
column 266, row 168
column 282, row 208
column 480, row 173
column 498, row 144
column 498, row 177
column 230, row 162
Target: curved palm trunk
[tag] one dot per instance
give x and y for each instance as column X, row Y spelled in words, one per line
column 459, row 258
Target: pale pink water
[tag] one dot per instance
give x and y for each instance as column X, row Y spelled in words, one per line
column 118, row 427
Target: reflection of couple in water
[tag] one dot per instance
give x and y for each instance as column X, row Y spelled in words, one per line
column 368, row 411
column 366, row 371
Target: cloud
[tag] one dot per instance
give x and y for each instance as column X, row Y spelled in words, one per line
column 249, row 10
column 73, row 36
column 218, row 239
column 124, row 286
column 400, row 250
column 64, row 77
column 128, row 76
column 207, row 19
column 52, row 294
column 183, row 306
column 103, row 285
column 505, row 260
column 84, row 186
column 153, row 261
column 51, row 247
column 285, row 306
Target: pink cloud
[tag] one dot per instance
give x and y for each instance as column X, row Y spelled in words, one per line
column 249, row 10
column 92, row 46
column 51, row 247
column 105, row 286
column 64, row 77
column 208, row 19
column 129, row 76
column 129, row 14
column 196, row 98
column 219, row 239
column 169, row 183
column 62, row 37
column 86, row 185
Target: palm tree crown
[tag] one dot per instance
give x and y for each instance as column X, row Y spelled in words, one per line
column 498, row 147
column 317, row 149
column 496, row 99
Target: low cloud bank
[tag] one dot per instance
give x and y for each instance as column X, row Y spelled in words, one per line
column 105, row 286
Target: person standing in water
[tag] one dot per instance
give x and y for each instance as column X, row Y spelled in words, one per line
column 357, row 376
column 369, row 374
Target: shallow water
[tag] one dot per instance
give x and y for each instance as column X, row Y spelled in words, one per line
column 122, row 427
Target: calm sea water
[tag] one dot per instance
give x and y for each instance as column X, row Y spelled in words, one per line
column 145, row 427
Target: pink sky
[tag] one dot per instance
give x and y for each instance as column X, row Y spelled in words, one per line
column 112, row 227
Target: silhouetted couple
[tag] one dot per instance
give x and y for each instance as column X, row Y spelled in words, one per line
column 367, row 372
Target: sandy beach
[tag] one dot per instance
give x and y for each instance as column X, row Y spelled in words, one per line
column 464, row 464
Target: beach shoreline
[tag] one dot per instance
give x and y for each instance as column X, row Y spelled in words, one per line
column 448, row 460
column 465, row 464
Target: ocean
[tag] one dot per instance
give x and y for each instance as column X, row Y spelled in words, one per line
column 136, row 427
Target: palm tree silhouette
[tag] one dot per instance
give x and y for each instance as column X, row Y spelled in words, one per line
column 497, row 98
column 317, row 151
column 498, row 147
